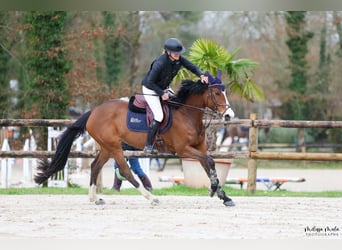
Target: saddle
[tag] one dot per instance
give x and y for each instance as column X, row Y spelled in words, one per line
column 140, row 115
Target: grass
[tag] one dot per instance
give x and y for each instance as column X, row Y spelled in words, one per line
column 180, row 190
column 279, row 164
column 186, row 191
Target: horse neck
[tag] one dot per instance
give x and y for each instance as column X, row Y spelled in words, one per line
column 198, row 105
column 198, row 101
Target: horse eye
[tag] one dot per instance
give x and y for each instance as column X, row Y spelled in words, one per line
column 217, row 93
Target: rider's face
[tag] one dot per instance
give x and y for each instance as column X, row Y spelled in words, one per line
column 174, row 56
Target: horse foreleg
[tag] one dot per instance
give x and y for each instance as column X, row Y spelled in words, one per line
column 215, row 186
column 226, row 200
column 208, row 165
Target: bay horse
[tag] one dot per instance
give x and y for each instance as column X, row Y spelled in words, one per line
column 231, row 135
column 185, row 137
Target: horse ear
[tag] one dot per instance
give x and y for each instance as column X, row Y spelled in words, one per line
column 219, row 74
column 218, row 78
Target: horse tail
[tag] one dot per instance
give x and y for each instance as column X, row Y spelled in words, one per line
column 46, row 168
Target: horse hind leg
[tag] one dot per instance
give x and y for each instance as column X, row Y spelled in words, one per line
column 96, row 167
column 148, row 195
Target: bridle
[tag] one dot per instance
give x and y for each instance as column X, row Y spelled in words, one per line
column 212, row 97
column 211, row 113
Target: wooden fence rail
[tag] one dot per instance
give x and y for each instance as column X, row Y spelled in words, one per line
column 35, row 122
column 215, row 123
column 127, row 153
column 252, row 154
column 296, row 156
column 296, row 124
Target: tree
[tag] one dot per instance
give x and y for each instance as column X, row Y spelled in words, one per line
column 46, row 91
column 84, row 35
column 5, row 92
column 113, row 48
column 296, row 107
column 133, row 46
column 211, row 57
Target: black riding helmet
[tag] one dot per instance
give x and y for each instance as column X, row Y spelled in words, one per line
column 174, row 45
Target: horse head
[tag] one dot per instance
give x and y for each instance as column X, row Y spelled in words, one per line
column 218, row 97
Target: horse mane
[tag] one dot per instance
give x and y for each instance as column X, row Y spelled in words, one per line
column 189, row 88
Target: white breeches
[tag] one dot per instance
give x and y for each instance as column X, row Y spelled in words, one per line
column 153, row 101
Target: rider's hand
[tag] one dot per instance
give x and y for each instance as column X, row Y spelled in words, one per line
column 204, row 78
column 165, row 97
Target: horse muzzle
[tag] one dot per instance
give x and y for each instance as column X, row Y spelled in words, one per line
column 229, row 114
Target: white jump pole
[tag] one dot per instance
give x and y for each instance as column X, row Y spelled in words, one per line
column 6, row 166
column 145, row 165
column 33, row 147
column 26, row 167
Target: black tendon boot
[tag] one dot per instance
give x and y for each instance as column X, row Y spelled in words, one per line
column 117, row 182
column 152, row 131
column 146, row 182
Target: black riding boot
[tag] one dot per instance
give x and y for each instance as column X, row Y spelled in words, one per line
column 152, row 131
column 117, row 182
column 146, row 182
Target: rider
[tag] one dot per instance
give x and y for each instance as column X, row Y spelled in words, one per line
column 156, row 83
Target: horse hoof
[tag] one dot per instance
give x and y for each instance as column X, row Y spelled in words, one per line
column 100, row 202
column 211, row 193
column 155, row 202
column 229, row 203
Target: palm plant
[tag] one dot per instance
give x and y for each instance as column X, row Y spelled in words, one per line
column 211, row 57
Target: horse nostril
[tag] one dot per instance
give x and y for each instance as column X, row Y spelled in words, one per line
column 227, row 118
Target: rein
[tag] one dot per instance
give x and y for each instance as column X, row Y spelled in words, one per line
column 211, row 114
column 188, row 106
column 173, row 103
column 205, row 111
